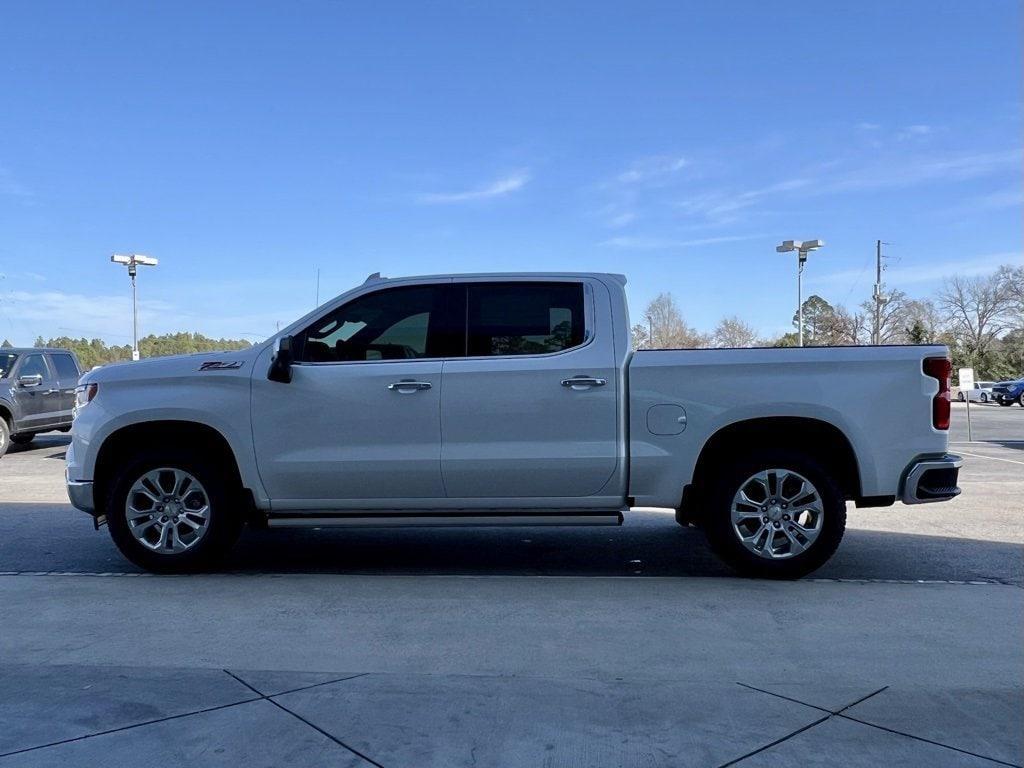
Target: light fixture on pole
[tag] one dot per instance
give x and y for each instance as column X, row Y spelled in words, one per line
column 133, row 261
column 802, row 248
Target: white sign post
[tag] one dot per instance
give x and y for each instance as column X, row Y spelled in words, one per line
column 965, row 376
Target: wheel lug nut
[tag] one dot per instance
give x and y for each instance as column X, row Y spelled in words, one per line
column 764, row 519
column 778, row 524
column 785, row 517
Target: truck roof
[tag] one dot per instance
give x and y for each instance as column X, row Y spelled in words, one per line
column 618, row 278
column 26, row 350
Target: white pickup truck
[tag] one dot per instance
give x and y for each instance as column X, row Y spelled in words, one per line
column 505, row 400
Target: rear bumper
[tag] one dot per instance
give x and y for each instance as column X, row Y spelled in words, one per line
column 931, row 479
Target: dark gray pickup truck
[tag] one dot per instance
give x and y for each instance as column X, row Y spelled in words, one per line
column 37, row 392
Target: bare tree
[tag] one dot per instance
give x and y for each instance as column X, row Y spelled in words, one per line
column 979, row 309
column 640, row 337
column 733, row 332
column 666, row 328
column 888, row 317
column 1012, row 281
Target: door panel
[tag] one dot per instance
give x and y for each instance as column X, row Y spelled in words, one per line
column 361, row 417
column 39, row 405
column 337, row 432
column 511, row 429
column 67, row 379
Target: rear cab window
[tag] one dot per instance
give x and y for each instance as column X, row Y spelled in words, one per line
column 524, row 318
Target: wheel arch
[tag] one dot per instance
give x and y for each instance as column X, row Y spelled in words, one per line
column 205, row 440
column 824, row 441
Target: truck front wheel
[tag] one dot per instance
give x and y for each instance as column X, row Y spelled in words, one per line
column 776, row 514
column 169, row 513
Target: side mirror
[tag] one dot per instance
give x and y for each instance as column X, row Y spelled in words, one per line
column 281, row 362
column 32, row 380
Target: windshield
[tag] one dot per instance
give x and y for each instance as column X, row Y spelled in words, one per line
column 7, row 360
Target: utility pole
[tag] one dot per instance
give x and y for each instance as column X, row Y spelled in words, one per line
column 879, row 299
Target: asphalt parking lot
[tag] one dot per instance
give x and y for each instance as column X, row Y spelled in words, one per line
column 538, row 647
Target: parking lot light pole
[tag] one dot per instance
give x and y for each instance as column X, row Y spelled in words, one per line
column 133, row 261
column 802, row 248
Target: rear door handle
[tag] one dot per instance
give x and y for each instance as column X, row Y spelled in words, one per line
column 408, row 387
column 582, row 382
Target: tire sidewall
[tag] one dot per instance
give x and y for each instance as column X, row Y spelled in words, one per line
column 225, row 518
column 5, row 436
column 726, row 544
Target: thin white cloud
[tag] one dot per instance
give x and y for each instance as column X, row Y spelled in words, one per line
column 652, row 168
column 922, row 170
column 926, row 273
column 11, row 187
column 505, row 185
column 722, row 207
column 640, row 243
column 914, row 131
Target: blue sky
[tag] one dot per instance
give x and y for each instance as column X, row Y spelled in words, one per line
column 247, row 145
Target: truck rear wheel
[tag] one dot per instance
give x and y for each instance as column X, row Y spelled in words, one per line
column 169, row 513
column 774, row 514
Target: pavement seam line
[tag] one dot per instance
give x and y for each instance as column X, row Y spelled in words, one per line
column 301, row 719
column 839, row 713
column 128, row 727
column 797, row 732
column 927, row 741
column 295, row 690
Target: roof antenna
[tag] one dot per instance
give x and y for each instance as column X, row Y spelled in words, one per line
column 372, row 278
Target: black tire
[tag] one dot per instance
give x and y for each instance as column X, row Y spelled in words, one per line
column 1020, row 399
column 23, row 439
column 5, row 436
column 983, row 397
column 724, row 540
column 960, row 397
column 1007, row 403
column 225, row 513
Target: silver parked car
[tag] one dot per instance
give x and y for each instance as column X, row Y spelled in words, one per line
column 982, row 392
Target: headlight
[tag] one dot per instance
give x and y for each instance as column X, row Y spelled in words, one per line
column 84, row 394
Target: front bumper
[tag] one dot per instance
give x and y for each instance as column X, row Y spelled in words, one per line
column 931, row 479
column 80, row 493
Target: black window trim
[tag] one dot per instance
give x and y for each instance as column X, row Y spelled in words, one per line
column 589, row 323
column 588, row 316
column 53, row 362
column 444, row 285
column 25, row 356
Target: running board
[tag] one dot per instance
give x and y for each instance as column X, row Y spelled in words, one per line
column 417, row 519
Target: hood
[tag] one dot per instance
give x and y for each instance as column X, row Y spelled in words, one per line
column 172, row 366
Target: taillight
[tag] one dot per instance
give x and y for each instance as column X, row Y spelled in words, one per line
column 939, row 368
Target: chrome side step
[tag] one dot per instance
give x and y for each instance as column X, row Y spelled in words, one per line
column 419, row 519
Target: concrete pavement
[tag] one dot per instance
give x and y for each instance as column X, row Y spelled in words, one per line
column 532, row 647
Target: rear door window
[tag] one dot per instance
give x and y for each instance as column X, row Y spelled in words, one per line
column 65, row 365
column 524, row 318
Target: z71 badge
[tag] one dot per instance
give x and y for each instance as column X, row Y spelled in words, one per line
column 217, row 365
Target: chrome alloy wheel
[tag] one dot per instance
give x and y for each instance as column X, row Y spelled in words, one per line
column 168, row 510
column 777, row 514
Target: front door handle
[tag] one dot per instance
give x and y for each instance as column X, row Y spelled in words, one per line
column 408, row 387
column 583, row 382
